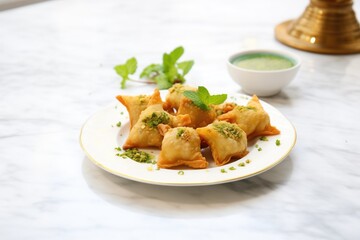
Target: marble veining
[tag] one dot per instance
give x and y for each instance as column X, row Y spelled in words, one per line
column 56, row 60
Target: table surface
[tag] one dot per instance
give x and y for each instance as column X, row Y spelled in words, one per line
column 56, row 69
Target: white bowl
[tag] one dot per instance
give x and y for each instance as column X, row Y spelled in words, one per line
column 263, row 83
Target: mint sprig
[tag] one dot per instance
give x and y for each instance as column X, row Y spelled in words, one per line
column 126, row 69
column 169, row 72
column 202, row 98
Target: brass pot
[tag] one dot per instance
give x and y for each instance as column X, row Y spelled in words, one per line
column 326, row 26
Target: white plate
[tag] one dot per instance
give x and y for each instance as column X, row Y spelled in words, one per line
column 100, row 135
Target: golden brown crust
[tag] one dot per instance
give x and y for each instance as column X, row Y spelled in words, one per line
column 134, row 105
column 198, row 164
column 163, row 128
column 181, row 147
column 252, row 118
column 199, row 117
column 175, row 95
column 224, row 148
column 248, row 121
column 155, row 98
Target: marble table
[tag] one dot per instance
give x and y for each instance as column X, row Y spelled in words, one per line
column 56, row 61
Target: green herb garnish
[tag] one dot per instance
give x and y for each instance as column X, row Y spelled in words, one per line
column 181, row 172
column 137, row 155
column 232, row 168
column 156, row 118
column 223, row 170
column 202, row 98
column 118, row 148
column 118, row 124
column 180, row 132
column 277, row 142
column 169, row 72
column 259, row 149
column 248, row 161
column 264, row 138
column 228, row 130
column 243, row 108
column 126, row 69
column 241, row 164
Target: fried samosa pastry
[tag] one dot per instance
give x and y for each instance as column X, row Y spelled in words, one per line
column 145, row 132
column 251, row 118
column 134, row 105
column 180, row 147
column 226, row 141
column 199, row 117
column 224, row 108
column 173, row 98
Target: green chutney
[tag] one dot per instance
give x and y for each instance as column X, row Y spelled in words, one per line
column 263, row 62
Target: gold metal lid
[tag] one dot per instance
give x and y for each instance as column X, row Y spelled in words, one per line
column 326, row 26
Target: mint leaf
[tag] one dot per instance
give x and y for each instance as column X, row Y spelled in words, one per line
column 176, row 54
column 162, row 82
column 164, row 74
column 166, row 62
column 179, row 79
column 185, row 66
column 131, row 65
column 194, row 97
column 124, row 70
column 169, row 65
column 150, row 70
column 202, row 98
column 217, row 99
column 204, row 94
column 171, row 74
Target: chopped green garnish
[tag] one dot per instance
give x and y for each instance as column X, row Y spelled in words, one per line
column 277, row 142
column 232, row 168
column 164, row 74
column 118, row 124
column 180, row 132
column 155, row 119
column 228, row 130
column 241, row 164
column 245, row 108
column 248, row 161
column 181, row 172
column 122, row 113
column 264, row 138
column 142, row 100
column 256, row 145
column 223, row 170
column 259, row 149
column 202, row 98
column 118, row 148
column 137, row 155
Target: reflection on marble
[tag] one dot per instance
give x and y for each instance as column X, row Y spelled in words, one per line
column 56, row 61
column 183, row 202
